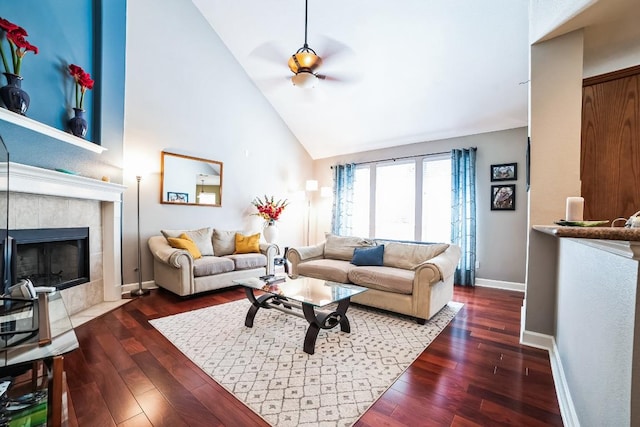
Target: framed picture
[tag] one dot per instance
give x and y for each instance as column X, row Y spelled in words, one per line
column 504, row 172
column 503, row 197
column 173, row 197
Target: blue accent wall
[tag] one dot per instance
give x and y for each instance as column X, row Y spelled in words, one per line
column 88, row 33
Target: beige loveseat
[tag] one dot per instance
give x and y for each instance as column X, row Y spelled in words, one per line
column 414, row 279
column 177, row 271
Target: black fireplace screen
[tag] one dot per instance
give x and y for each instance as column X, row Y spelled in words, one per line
column 51, row 256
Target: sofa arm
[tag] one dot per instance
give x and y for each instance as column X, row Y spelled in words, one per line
column 163, row 252
column 445, row 264
column 305, row 253
column 270, row 251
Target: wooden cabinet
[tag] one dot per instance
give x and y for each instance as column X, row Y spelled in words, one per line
column 610, row 150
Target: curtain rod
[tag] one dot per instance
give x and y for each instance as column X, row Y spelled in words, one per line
column 401, row 158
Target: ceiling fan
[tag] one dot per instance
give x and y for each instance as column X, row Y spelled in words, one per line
column 305, row 62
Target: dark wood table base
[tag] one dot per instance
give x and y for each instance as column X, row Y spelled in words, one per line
column 317, row 319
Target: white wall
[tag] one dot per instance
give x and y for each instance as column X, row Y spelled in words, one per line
column 555, row 127
column 186, row 93
column 501, row 239
column 597, row 311
column 612, row 45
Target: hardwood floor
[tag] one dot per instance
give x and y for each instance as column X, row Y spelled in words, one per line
column 474, row 373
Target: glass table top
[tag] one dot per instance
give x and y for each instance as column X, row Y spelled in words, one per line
column 21, row 330
column 308, row 290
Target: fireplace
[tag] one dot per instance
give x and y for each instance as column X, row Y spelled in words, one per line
column 57, row 257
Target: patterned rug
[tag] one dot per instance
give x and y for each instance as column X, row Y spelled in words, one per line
column 266, row 368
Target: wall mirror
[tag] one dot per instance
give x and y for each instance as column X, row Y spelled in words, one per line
column 190, row 180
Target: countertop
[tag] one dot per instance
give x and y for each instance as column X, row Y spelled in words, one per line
column 603, row 233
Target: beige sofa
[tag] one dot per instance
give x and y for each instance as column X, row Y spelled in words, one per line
column 177, row 271
column 414, row 279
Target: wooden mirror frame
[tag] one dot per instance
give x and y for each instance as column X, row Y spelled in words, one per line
column 186, row 180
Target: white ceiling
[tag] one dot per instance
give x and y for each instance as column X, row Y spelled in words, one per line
column 412, row 70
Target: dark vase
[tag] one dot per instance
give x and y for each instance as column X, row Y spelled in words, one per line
column 78, row 124
column 14, row 98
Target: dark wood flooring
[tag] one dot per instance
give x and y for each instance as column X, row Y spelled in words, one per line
column 475, row 373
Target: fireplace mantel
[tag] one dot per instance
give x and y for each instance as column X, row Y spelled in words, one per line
column 30, row 179
column 34, row 180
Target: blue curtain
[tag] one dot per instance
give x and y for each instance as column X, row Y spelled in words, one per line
column 343, row 178
column 463, row 213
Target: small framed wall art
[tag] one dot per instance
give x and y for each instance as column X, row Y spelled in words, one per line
column 503, row 197
column 504, row 172
column 174, row 197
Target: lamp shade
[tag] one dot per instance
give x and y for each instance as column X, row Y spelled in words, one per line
column 326, row 192
column 311, row 185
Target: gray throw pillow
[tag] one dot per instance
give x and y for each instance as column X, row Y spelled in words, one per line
column 341, row 247
column 201, row 237
column 224, row 242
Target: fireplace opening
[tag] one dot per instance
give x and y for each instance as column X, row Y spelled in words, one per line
column 56, row 257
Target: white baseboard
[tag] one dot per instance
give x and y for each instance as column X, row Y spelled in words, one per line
column 500, row 284
column 548, row 342
column 127, row 288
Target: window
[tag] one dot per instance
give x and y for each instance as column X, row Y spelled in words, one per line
column 403, row 201
column 436, row 200
column 395, row 201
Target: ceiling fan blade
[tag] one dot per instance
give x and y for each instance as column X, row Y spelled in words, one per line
column 271, row 83
column 340, row 78
column 272, row 52
column 330, row 50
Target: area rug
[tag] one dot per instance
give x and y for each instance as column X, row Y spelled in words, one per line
column 266, row 368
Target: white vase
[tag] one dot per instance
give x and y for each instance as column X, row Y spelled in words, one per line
column 270, row 233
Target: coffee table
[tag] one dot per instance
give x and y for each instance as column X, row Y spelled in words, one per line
column 303, row 297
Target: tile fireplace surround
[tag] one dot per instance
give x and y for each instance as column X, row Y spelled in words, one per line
column 42, row 198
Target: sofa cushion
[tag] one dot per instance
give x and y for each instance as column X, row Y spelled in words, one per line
column 224, row 242
column 410, row 255
column 340, row 247
column 327, row 269
column 208, row 265
column 247, row 261
column 390, row 279
column 247, row 244
column 368, row 256
column 201, row 237
column 185, row 243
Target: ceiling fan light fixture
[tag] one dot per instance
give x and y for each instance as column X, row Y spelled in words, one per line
column 304, row 79
column 305, row 59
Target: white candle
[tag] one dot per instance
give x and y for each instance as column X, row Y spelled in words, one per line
column 575, row 209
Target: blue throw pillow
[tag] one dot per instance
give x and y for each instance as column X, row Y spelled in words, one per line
column 368, row 256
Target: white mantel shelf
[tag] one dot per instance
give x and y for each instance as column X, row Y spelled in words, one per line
column 34, row 180
column 25, row 122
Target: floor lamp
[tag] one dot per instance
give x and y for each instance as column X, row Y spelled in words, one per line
column 310, row 186
column 140, row 291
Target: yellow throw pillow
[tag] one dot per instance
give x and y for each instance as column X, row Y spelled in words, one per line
column 184, row 242
column 247, row 244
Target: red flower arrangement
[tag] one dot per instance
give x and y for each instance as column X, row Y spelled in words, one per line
column 269, row 209
column 83, row 82
column 17, row 43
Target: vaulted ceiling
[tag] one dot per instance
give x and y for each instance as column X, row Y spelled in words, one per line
column 397, row 72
